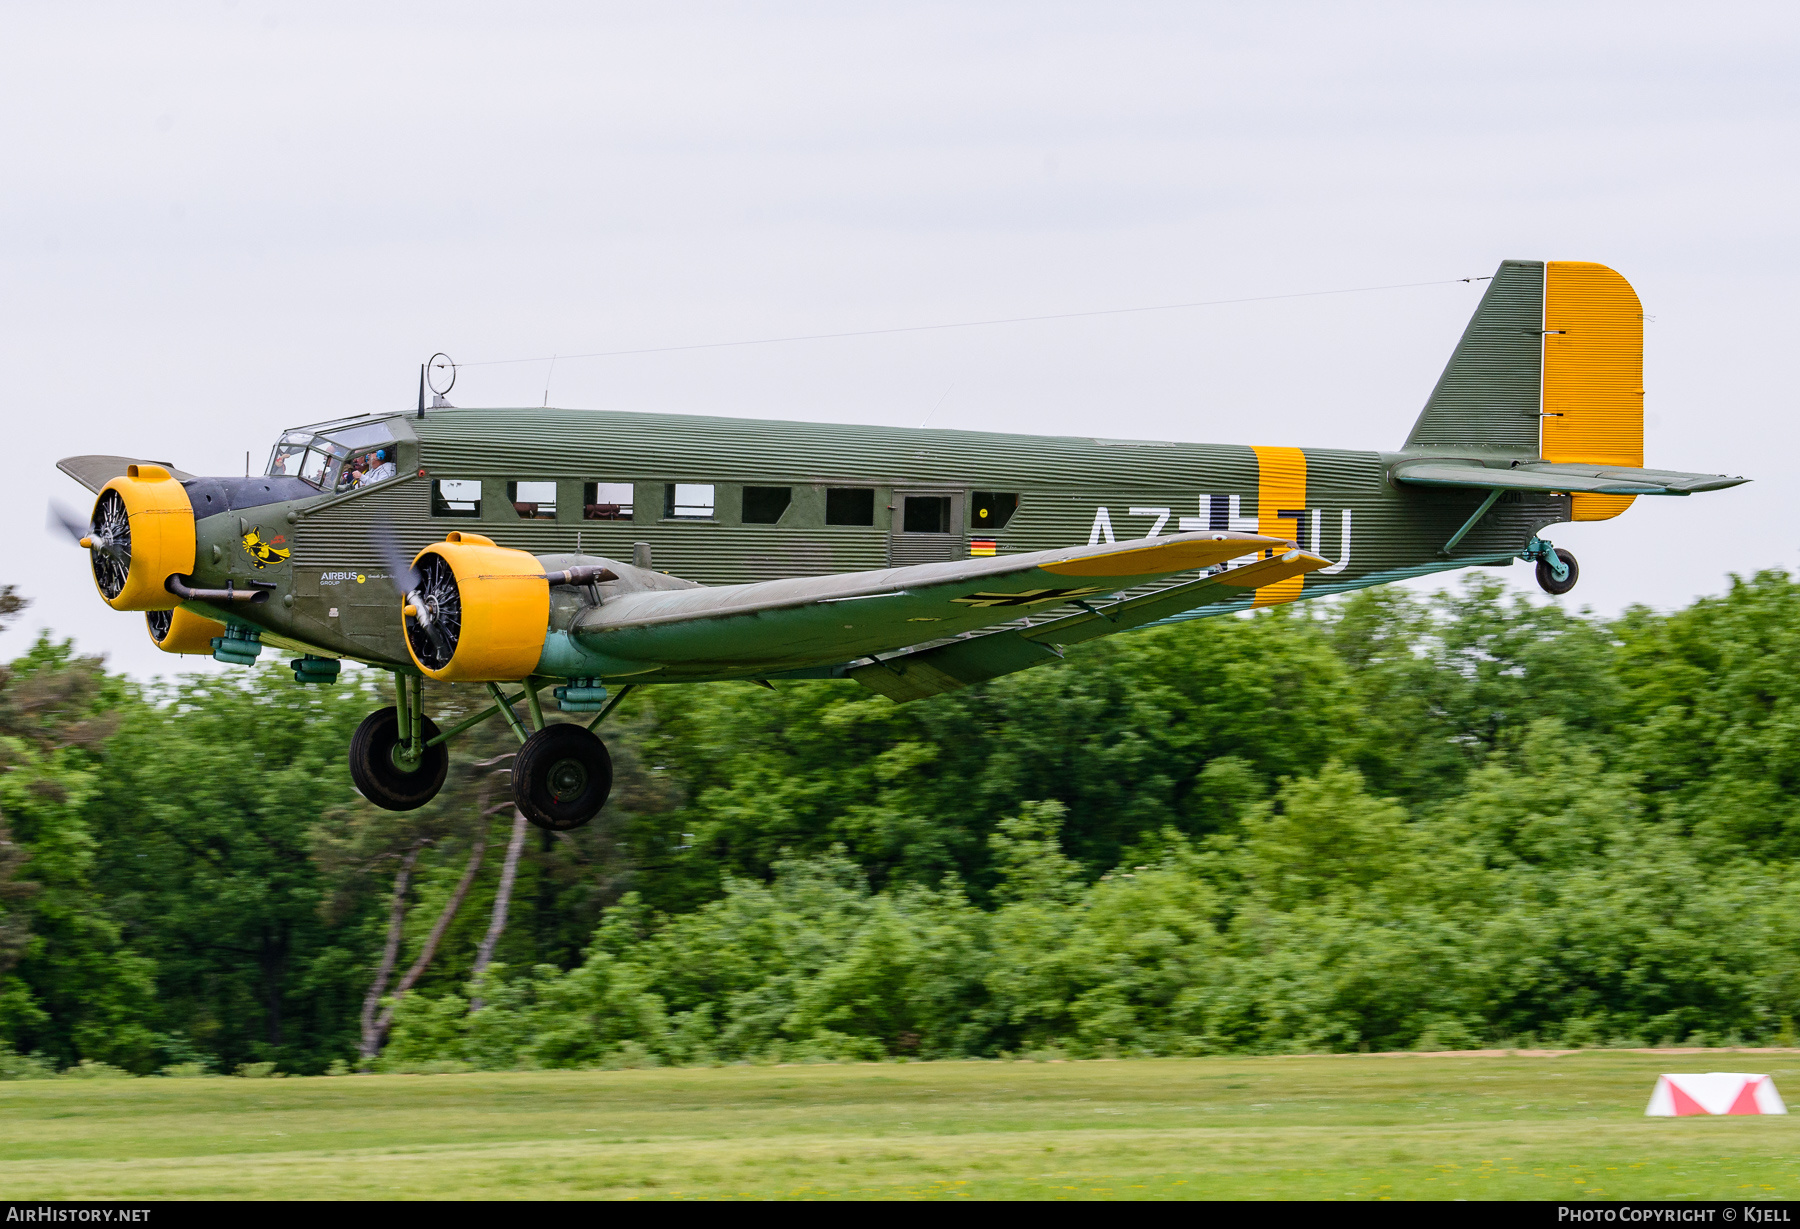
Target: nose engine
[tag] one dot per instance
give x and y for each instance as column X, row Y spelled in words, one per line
column 141, row 533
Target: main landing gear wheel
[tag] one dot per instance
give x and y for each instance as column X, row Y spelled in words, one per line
column 383, row 776
column 561, row 777
column 1546, row 575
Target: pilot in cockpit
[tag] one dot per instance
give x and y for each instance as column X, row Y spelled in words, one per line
column 381, row 468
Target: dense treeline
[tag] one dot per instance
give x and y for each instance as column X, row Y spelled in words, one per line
column 1382, row 822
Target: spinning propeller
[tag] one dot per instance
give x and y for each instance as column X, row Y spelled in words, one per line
column 114, row 547
column 61, row 516
column 409, row 583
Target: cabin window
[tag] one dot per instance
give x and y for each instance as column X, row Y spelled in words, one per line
column 606, row 501
column 688, row 501
column 927, row 514
column 849, row 505
column 763, row 505
column 989, row 510
column 533, row 501
column 456, row 497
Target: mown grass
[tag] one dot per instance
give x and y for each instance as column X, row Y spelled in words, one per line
column 1364, row 1127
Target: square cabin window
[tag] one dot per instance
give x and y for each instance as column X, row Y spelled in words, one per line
column 849, row 505
column 456, row 497
column 688, row 501
column 533, row 501
column 926, row 514
column 606, row 501
column 763, row 505
column 990, row 510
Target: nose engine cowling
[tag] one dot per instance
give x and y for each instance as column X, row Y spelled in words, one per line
column 141, row 533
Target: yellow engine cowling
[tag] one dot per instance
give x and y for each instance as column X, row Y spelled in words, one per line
column 492, row 604
column 161, row 538
column 182, row 631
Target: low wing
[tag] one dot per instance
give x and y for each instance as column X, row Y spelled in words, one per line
column 1564, row 476
column 96, row 471
column 947, row 667
column 783, row 625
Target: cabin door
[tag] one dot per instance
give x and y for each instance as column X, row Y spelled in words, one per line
column 928, row 527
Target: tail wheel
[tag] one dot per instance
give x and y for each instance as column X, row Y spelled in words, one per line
column 381, row 778
column 1547, row 579
column 561, row 777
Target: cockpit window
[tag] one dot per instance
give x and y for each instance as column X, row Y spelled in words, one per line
column 300, row 458
column 363, row 436
column 286, row 461
column 366, row 468
column 347, row 457
column 312, row 469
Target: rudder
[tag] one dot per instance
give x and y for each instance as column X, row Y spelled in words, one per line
column 1593, row 375
column 1550, row 367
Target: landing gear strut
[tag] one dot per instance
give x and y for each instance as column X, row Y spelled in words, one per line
column 1557, row 570
column 561, row 775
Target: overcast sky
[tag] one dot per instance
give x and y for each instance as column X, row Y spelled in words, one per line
column 221, row 219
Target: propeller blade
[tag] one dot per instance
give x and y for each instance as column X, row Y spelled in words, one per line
column 399, row 563
column 60, row 517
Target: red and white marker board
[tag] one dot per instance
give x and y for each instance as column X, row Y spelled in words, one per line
column 1714, row 1092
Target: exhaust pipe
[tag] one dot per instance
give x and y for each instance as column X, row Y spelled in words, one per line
column 255, row 591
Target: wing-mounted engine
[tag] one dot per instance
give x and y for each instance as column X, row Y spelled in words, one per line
column 141, row 534
column 182, row 631
column 478, row 612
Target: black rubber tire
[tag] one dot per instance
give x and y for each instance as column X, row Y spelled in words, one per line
column 561, row 777
column 376, row 775
column 1547, row 580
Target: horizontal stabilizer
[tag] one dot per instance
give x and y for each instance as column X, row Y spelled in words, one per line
column 1570, row 477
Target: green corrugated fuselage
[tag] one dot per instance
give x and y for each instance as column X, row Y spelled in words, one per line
column 332, row 594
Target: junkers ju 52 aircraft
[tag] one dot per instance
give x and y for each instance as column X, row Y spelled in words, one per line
column 591, row 552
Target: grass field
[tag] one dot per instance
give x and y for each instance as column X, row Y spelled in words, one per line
column 1362, row 1127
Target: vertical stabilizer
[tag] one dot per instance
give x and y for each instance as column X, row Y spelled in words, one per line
column 1491, row 392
